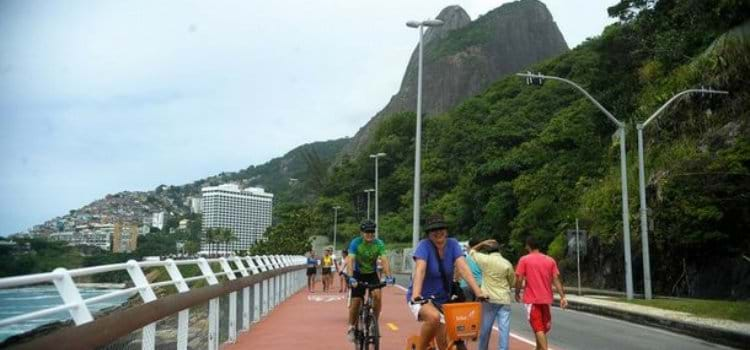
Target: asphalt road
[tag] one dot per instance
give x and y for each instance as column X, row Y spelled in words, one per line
column 574, row 330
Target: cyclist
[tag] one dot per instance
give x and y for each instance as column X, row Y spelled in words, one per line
column 432, row 280
column 364, row 252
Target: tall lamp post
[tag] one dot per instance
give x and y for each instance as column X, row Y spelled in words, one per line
column 418, row 138
column 335, row 221
column 376, row 156
column 368, row 191
column 538, row 79
column 642, row 184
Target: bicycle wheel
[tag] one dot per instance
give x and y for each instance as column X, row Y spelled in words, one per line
column 374, row 333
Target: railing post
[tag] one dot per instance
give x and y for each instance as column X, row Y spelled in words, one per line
column 213, row 306
column 147, row 294
column 256, row 289
column 71, row 295
column 245, row 295
column 183, row 316
column 232, row 301
column 264, row 295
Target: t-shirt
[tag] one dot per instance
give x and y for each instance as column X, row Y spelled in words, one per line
column 539, row 271
column 475, row 271
column 366, row 254
column 312, row 262
column 327, row 261
column 433, row 281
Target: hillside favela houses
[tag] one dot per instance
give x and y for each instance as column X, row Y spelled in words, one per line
column 247, row 212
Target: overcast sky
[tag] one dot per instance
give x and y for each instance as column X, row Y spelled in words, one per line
column 99, row 97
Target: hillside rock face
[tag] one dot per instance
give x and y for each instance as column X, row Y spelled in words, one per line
column 462, row 58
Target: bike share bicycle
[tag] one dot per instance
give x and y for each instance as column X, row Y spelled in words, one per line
column 366, row 329
column 462, row 323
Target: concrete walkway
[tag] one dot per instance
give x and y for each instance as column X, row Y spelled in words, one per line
column 315, row 321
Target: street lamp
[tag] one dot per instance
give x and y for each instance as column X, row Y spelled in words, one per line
column 335, row 221
column 368, row 191
column 418, row 139
column 538, row 79
column 376, row 156
column 642, row 185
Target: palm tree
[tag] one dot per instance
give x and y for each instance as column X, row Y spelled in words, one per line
column 227, row 236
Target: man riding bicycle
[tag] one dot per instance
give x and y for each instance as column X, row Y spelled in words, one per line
column 364, row 252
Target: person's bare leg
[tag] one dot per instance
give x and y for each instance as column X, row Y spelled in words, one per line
column 442, row 340
column 541, row 340
column 430, row 318
column 354, row 310
column 377, row 297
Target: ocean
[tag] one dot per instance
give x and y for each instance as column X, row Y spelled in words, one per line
column 16, row 301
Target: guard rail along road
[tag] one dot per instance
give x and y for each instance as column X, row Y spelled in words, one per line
column 221, row 303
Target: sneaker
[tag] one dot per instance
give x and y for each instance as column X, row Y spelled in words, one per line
column 350, row 334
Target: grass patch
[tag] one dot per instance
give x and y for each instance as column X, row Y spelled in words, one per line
column 726, row 310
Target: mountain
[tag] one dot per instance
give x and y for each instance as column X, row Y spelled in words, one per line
column 307, row 164
column 462, row 58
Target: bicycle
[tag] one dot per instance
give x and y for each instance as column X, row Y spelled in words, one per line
column 462, row 323
column 366, row 329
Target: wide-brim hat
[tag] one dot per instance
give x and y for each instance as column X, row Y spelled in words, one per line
column 434, row 222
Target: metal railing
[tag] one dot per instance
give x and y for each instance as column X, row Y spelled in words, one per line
column 269, row 279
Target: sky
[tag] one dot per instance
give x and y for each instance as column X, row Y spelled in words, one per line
column 98, row 97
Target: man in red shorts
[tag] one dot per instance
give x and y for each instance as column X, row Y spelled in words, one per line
column 540, row 272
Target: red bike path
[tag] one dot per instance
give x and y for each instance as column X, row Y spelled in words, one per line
column 318, row 321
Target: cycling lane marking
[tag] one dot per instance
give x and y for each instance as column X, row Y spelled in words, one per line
column 392, row 326
column 513, row 335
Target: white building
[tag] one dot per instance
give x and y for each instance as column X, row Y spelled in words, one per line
column 159, row 219
column 98, row 235
column 246, row 212
column 196, row 205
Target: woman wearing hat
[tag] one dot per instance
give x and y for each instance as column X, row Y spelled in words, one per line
column 435, row 260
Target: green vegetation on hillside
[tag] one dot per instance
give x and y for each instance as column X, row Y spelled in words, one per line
column 520, row 160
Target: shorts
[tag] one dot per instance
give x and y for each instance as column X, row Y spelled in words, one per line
column 325, row 270
column 415, row 308
column 359, row 291
column 539, row 317
column 311, row 271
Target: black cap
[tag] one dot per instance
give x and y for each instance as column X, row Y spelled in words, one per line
column 367, row 226
column 434, row 222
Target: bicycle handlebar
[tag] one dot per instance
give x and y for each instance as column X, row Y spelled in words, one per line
column 366, row 285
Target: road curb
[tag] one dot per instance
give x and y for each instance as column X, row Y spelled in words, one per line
column 713, row 334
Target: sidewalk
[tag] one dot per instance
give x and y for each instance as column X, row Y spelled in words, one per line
column 725, row 332
column 315, row 321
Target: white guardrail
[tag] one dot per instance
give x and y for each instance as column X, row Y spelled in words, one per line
column 266, row 294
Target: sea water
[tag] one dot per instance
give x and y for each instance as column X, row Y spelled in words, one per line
column 18, row 301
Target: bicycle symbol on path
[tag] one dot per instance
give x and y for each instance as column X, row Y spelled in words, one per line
column 325, row 298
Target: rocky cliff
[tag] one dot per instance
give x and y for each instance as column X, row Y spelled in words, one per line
column 463, row 57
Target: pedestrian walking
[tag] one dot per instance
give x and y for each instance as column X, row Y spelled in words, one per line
column 497, row 279
column 476, row 272
column 540, row 272
column 312, row 270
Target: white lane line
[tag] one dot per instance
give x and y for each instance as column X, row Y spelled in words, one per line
column 513, row 335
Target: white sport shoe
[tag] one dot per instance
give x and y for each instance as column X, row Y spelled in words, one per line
column 350, row 334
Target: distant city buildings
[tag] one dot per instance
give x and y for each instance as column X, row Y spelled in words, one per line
column 124, row 238
column 159, row 219
column 96, row 235
column 196, row 205
column 247, row 212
